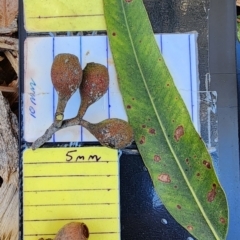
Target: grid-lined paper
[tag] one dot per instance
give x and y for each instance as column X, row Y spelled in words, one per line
column 40, row 98
column 61, row 185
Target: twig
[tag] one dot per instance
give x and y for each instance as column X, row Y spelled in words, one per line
column 8, row 43
column 53, row 128
column 8, row 89
column 9, row 30
column 14, row 95
column 12, row 60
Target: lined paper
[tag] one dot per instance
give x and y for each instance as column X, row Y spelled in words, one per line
column 40, row 98
column 62, row 15
column 61, row 185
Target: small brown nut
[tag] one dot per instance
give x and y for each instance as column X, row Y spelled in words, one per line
column 73, row 231
column 113, row 132
column 66, row 75
column 94, row 85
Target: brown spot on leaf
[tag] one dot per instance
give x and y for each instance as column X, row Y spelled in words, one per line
column 129, row 107
column 152, row 131
column 222, row 220
column 164, row 178
column 179, row 207
column 175, row 186
column 187, row 160
column 198, row 174
column 189, row 228
column 128, row 1
column 157, row 158
column 207, row 164
column 179, row 132
column 167, row 84
column 143, row 126
column 114, row 34
column 212, row 194
column 142, row 140
column 133, row 99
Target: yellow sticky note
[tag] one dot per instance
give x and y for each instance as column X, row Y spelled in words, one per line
column 62, row 15
column 61, row 185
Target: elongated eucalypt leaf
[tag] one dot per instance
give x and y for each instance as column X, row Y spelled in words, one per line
column 175, row 155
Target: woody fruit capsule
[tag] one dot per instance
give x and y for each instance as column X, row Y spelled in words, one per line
column 113, row 132
column 95, row 83
column 66, row 75
column 73, row 231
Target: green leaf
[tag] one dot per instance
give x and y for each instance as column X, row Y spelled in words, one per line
column 176, row 157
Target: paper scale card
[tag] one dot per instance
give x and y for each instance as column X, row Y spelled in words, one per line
column 71, row 184
column 62, row 15
column 40, row 98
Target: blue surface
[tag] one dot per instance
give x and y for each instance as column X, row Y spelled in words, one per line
column 238, row 58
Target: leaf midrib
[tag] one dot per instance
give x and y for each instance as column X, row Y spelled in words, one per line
column 163, row 129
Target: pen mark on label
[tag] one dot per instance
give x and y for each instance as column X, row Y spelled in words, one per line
column 33, row 103
column 70, row 157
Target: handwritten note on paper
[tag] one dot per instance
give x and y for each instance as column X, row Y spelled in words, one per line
column 61, row 185
column 40, row 98
column 62, row 15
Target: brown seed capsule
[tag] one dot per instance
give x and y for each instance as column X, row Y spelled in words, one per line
column 95, row 82
column 66, row 74
column 113, row 132
column 73, row 231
